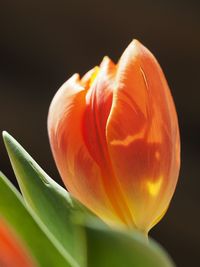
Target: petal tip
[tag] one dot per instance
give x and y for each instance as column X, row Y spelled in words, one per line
column 135, row 46
column 106, row 61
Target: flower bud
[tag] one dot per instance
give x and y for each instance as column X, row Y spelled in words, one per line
column 115, row 139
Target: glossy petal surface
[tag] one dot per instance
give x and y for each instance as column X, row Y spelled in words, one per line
column 75, row 159
column 115, row 139
column 143, row 137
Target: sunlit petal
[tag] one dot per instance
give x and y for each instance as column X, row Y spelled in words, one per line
column 142, row 135
column 80, row 172
column 115, row 138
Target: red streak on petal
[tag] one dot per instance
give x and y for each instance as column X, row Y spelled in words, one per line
column 98, row 105
column 79, row 171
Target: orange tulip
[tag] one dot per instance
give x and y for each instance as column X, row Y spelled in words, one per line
column 12, row 253
column 115, row 139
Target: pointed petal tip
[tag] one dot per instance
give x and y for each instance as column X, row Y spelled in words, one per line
column 133, row 54
column 86, row 79
column 105, row 61
column 75, row 78
column 135, row 41
column 107, row 65
column 135, row 46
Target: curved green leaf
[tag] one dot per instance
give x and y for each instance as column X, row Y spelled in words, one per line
column 106, row 248
column 93, row 245
column 51, row 202
column 28, row 227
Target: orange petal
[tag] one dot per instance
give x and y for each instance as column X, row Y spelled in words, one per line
column 98, row 105
column 143, row 136
column 78, row 169
column 12, row 252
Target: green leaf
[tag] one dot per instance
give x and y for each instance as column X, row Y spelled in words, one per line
column 29, row 228
column 92, row 245
column 51, row 202
column 106, row 248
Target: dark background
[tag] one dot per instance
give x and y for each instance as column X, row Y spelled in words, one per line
column 42, row 43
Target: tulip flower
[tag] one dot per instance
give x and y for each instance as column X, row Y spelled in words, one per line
column 115, row 139
column 12, row 253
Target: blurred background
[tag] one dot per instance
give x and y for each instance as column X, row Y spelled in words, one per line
column 42, row 43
